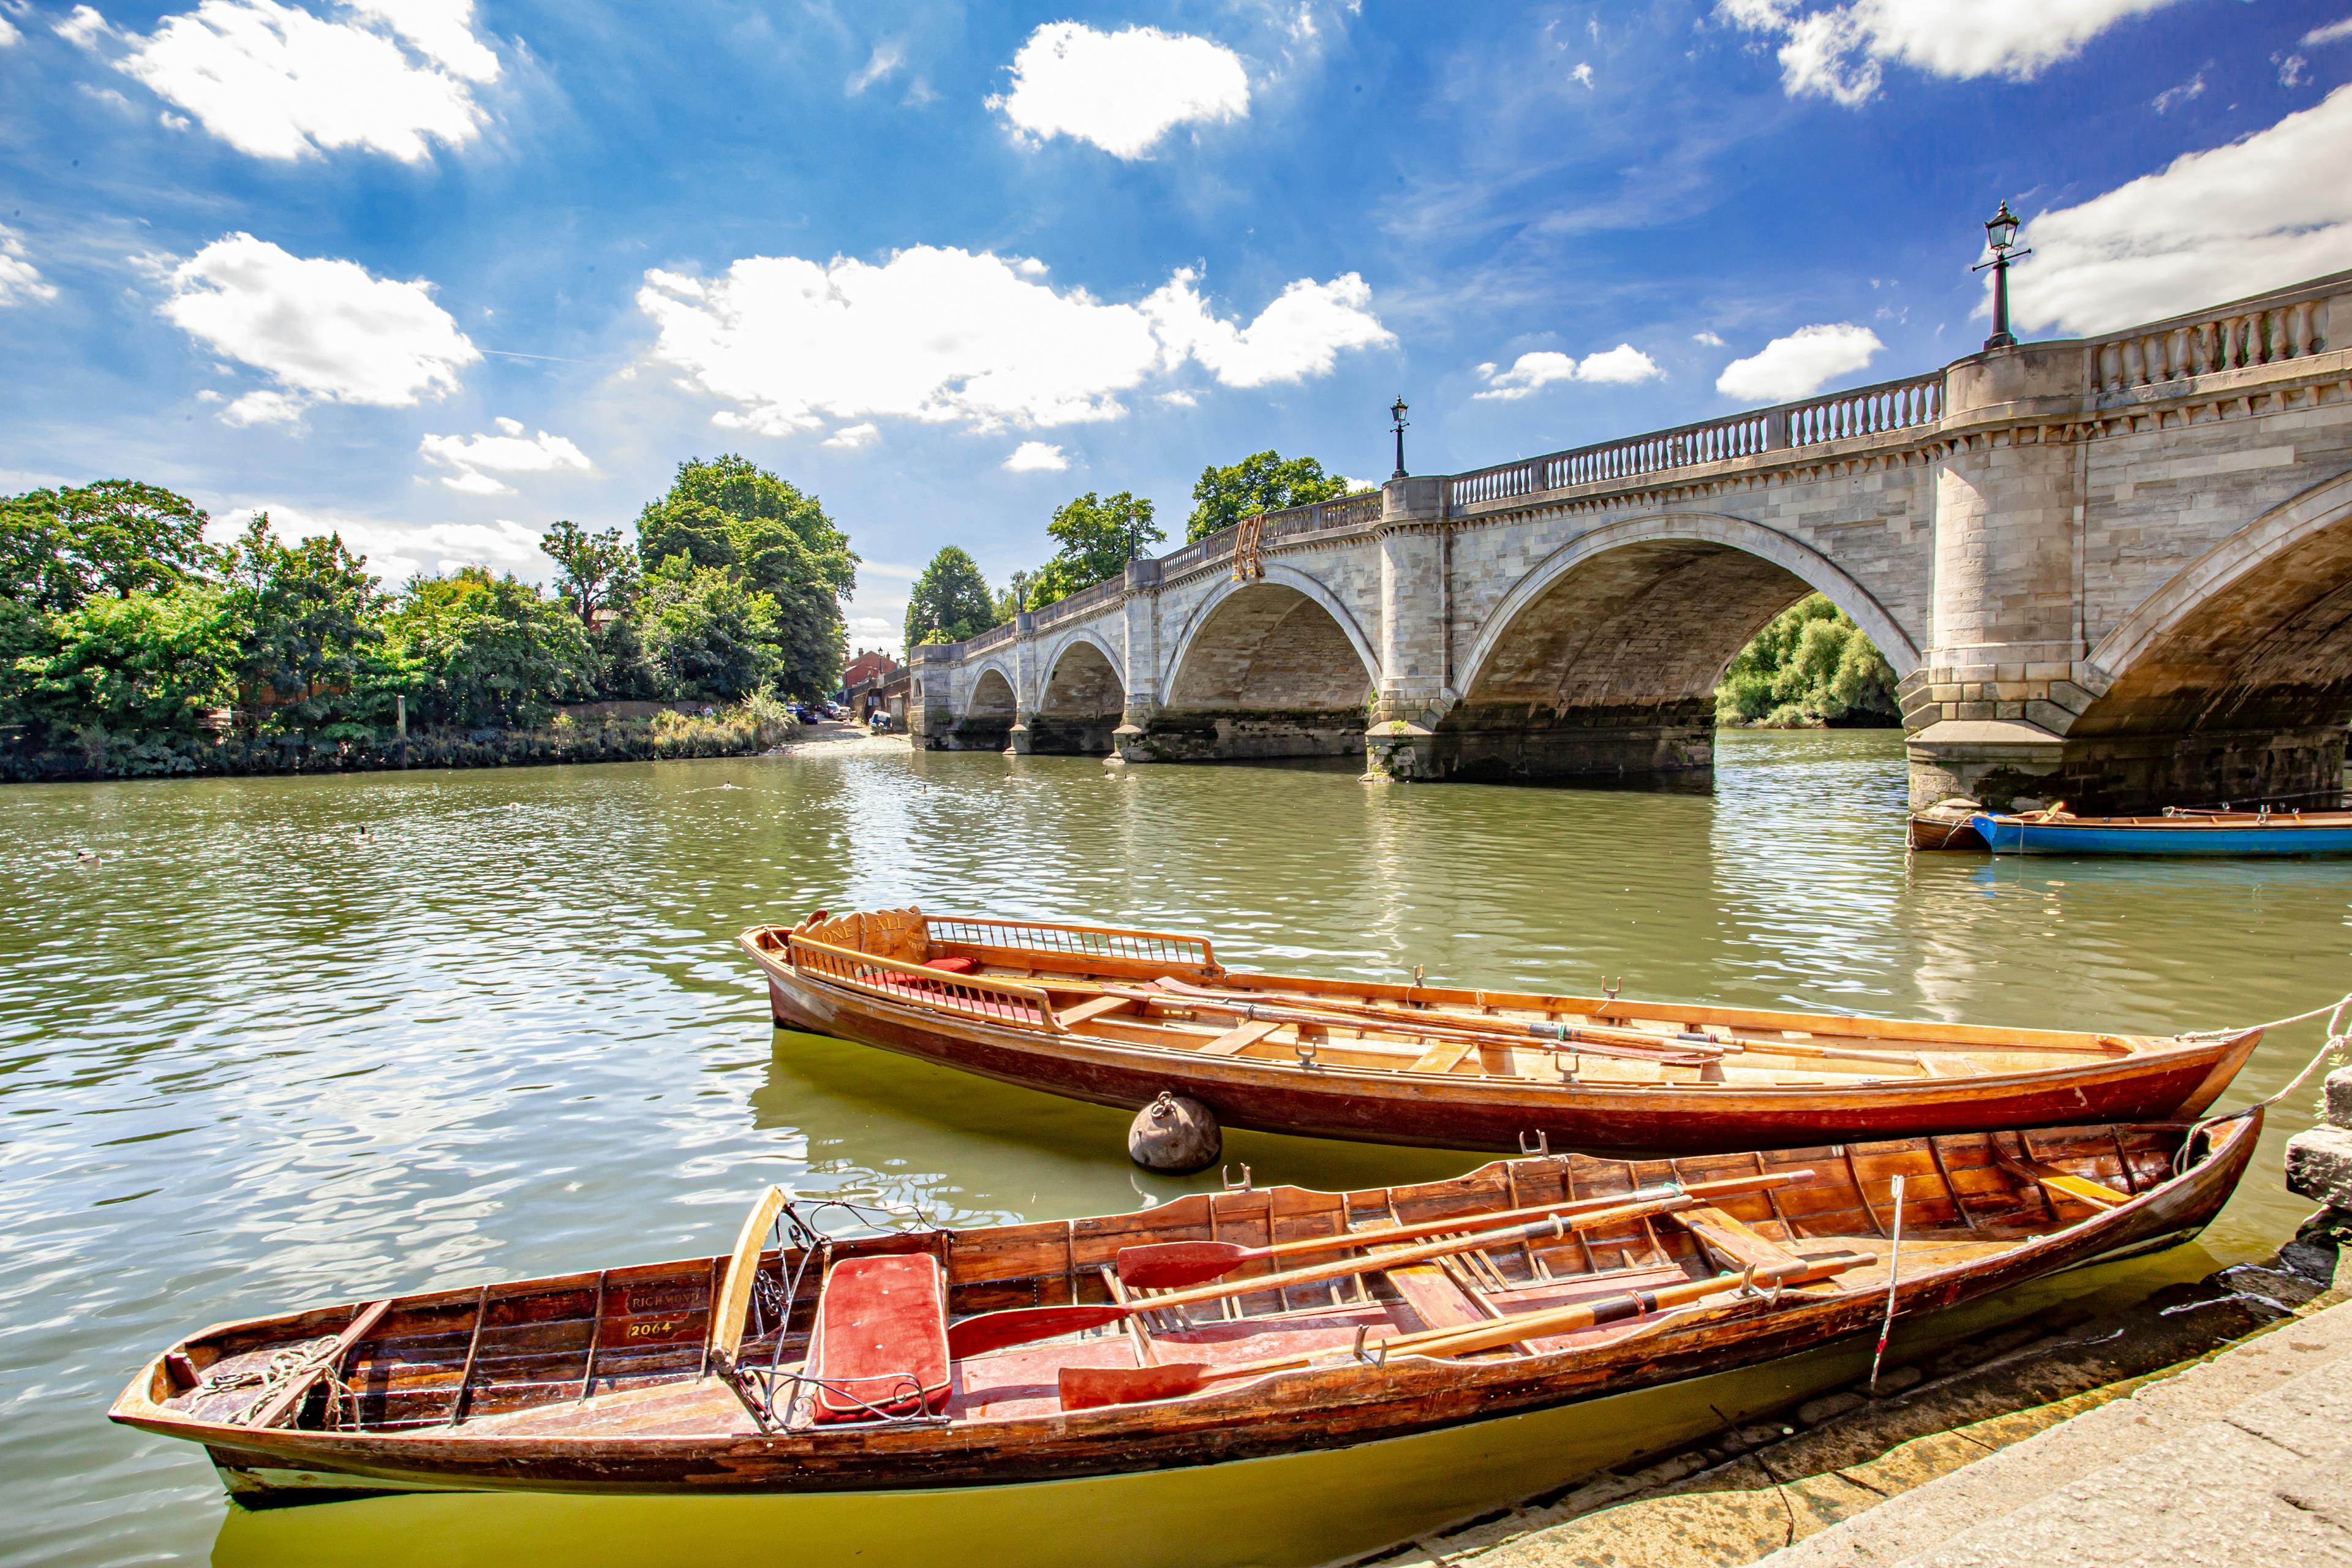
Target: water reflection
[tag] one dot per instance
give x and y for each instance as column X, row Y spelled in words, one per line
column 300, row 1040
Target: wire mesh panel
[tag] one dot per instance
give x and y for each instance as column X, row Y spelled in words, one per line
column 1074, row 942
column 968, row 995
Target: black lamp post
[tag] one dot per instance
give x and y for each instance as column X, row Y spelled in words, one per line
column 1396, row 413
column 2000, row 234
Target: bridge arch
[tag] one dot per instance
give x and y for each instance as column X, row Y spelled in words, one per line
column 1081, row 694
column 1605, row 656
column 2252, row 639
column 1270, row 667
column 985, row 720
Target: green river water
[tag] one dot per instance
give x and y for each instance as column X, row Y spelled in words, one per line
column 327, row 1039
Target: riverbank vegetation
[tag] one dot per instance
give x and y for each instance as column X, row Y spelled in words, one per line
column 130, row 644
column 1809, row 666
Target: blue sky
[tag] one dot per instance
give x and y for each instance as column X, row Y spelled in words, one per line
column 436, row 273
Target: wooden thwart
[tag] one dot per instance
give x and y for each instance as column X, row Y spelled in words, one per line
column 2060, row 1184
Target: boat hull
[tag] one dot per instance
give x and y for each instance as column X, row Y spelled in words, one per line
column 1332, row 1408
column 2009, row 837
column 1388, row 1108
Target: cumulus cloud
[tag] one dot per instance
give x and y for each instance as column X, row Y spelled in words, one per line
column 1799, row 364
column 398, row 551
column 20, row 281
column 1122, row 91
column 1838, row 52
column 1531, row 373
column 1709, row 339
column 83, row 28
column 321, row 328
column 263, row 408
column 2329, row 34
column 1035, row 457
column 276, row 81
column 1582, row 74
column 950, row 336
column 9, row 34
column 2270, row 209
column 854, row 435
column 476, row 458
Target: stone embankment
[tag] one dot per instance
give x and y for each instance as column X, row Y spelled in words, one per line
column 2212, row 1422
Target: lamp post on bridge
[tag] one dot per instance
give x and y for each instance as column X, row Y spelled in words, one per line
column 1396, row 413
column 2000, row 234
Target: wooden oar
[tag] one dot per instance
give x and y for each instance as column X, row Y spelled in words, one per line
column 1320, row 1015
column 1171, row 1264
column 986, row 1332
column 1591, row 1040
column 1090, row 1388
column 289, row 1393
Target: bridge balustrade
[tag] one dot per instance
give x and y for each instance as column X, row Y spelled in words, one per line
column 2278, row 328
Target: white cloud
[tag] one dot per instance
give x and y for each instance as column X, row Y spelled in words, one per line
column 1799, row 364
column 20, row 281
column 1122, row 91
column 2328, row 34
column 476, row 458
column 1709, row 339
column 2290, row 70
column 319, row 328
column 1838, row 52
column 951, row 336
column 854, row 435
column 83, row 28
column 889, row 569
column 1531, row 373
column 1583, row 76
column 2172, row 98
column 264, row 407
column 9, row 34
column 1179, row 398
column 1035, row 457
column 886, row 59
column 397, row 551
column 2270, row 209
column 276, row 81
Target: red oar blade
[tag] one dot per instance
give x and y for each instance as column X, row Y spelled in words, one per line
column 1173, row 1264
column 987, row 1331
column 1092, row 1387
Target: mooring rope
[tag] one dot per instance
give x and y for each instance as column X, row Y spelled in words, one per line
column 2337, row 1038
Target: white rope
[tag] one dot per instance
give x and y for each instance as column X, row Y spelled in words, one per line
column 2337, row 1038
column 2337, row 1006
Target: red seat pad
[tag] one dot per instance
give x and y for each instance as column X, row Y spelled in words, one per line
column 952, row 965
column 881, row 1329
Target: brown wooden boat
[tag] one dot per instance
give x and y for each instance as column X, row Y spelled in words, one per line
column 931, row 1358
column 1117, row 1017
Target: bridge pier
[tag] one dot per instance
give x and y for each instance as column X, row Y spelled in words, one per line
column 1513, row 744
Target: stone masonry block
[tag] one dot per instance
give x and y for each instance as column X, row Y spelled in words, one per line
column 2049, row 671
column 2048, row 715
column 2008, row 710
column 2020, row 690
column 1944, row 692
column 1973, row 710
column 2009, row 672
column 2319, row 1165
column 2339, row 1096
column 2069, row 696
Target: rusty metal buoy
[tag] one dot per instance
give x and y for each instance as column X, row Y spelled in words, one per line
column 1176, row 1134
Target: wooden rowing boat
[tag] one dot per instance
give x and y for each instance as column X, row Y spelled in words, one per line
column 1117, row 1017
column 900, row 1361
column 1946, row 825
column 2179, row 832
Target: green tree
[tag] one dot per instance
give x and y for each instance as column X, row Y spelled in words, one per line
column 1264, row 481
column 706, row 635
column 728, row 515
column 488, row 652
column 1015, row 596
column 117, row 536
column 1098, row 537
column 1811, row 664
column 309, row 646
column 951, row 600
column 139, row 662
column 593, row 571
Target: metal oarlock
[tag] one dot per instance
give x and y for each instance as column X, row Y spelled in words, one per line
column 1231, row 1186
column 1541, row 1146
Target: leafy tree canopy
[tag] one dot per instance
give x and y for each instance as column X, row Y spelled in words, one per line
column 1811, row 664
column 141, row 661
column 1264, row 481
column 950, row 600
column 706, row 635
column 117, row 536
column 593, row 571
column 309, row 647
column 1098, row 537
column 489, row 651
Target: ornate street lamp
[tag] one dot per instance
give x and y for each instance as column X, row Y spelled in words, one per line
column 2000, row 234
column 1396, row 413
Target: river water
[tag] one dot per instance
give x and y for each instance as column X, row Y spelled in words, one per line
column 326, row 1039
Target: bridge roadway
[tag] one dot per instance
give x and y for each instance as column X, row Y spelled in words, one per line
column 2115, row 570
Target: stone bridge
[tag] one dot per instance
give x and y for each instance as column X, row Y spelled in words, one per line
column 2116, row 570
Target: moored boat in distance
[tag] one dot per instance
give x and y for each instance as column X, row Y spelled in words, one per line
column 1294, row 1322
column 2180, row 830
column 1944, row 826
column 1117, row 1017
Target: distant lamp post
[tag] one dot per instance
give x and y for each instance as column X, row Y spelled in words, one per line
column 1396, row 413
column 2000, row 234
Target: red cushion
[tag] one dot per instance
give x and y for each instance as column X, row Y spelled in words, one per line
column 881, row 1335
column 952, row 965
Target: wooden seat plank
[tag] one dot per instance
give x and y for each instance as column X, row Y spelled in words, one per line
column 1234, row 1041
column 1443, row 1057
column 2097, row 1195
column 1733, row 1243
column 1086, row 1012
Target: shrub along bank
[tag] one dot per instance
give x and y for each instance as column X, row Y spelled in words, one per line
column 1809, row 666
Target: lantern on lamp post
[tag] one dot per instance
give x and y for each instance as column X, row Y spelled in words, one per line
column 1396, row 416
column 2000, row 234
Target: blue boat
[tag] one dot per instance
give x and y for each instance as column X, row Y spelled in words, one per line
column 2177, row 832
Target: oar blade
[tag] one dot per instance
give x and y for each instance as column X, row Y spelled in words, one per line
column 1173, row 1264
column 1093, row 1387
column 986, row 1332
